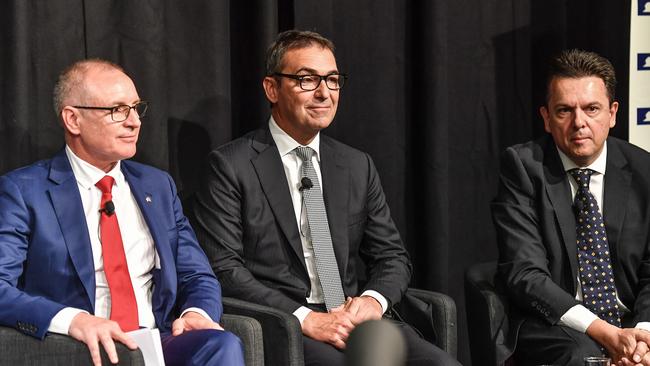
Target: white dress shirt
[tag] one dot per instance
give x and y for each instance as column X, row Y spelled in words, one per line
column 139, row 247
column 292, row 167
column 579, row 317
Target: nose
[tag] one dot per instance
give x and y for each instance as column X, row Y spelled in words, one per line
column 322, row 91
column 133, row 120
column 579, row 118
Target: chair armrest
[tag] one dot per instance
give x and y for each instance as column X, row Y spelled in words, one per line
column 488, row 313
column 434, row 315
column 249, row 331
column 281, row 331
column 55, row 349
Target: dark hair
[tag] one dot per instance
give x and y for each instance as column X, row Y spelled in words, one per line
column 289, row 40
column 578, row 64
column 72, row 79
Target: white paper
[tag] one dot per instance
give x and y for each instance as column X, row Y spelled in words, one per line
column 148, row 341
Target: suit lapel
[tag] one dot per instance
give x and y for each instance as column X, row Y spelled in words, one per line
column 149, row 203
column 335, row 194
column 559, row 193
column 70, row 214
column 270, row 171
column 617, row 186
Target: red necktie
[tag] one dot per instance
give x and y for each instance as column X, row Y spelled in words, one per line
column 124, row 309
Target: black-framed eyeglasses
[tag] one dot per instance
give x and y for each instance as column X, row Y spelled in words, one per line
column 121, row 112
column 312, row 81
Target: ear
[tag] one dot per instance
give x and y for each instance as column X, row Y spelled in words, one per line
column 547, row 120
column 271, row 86
column 70, row 120
column 612, row 111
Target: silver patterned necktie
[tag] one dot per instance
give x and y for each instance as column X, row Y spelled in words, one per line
column 319, row 232
column 596, row 273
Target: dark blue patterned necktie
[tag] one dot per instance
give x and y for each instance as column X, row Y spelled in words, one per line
column 596, row 273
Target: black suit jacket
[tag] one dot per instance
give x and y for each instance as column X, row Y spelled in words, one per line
column 536, row 231
column 247, row 226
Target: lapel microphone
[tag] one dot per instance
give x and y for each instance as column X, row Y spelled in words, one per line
column 305, row 183
column 109, row 208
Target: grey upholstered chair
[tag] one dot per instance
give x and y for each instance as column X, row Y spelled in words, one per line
column 487, row 317
column 432, row 313
column 17, row 348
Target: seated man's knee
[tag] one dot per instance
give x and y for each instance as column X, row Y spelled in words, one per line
column 226, row 340
column 576, row 355
column 227, row 348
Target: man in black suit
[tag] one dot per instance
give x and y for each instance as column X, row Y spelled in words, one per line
column 260, row 230
column 576, row 289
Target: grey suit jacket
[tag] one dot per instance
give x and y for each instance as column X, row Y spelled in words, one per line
column 246, row 223
column 536, row 231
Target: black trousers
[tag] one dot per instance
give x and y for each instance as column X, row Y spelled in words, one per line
column 539, row 343
column 419, row 351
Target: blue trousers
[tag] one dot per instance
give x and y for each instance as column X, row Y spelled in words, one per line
column 207, row 347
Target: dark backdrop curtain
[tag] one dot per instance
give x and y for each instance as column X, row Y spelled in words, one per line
column 437, row 89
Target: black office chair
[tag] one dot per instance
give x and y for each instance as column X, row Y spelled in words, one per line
column 487, row 317
column 432, row 313
column 17, row 348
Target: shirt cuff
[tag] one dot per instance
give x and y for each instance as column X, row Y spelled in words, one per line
column 61, row 321
column 379, row 297
column 301, row 313
column 197, row 310
column 578, row 318
column 643, row 325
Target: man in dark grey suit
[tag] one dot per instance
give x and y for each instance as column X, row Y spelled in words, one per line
column 573, row 224
column 276, row 236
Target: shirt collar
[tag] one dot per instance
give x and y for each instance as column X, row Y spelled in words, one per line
column 87, row 175
column 286, row 144
column 598, row 165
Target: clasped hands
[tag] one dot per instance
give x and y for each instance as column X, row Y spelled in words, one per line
column 626, row 346
column 335, row 327
column 93, row 330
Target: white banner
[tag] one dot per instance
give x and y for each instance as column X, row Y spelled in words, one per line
column 640, row 74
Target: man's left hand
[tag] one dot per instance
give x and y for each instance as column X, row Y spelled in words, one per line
column 641, row 356
column 363, row 308
column 192, row 321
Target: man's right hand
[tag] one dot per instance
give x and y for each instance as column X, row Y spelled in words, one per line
column 93, row 330
column 333, row 327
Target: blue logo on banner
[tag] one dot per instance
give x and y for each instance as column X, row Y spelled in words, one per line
column 644, row 7
column 643, row 116
column 644, row 60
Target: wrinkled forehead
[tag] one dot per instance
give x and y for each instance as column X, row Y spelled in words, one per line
column 310, row 58
column 590, row 87
column 109, row 85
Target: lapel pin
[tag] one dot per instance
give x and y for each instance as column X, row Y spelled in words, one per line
column 148, row 199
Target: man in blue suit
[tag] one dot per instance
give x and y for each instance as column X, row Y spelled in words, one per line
column 61, row 270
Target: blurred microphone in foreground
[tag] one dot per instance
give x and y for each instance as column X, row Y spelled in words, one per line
column 376, row 343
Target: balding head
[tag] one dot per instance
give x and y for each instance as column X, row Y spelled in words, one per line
column 70, row 87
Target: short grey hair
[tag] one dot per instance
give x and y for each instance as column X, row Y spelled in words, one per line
column 289, row 40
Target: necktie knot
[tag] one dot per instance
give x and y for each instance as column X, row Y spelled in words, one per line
column 582, row 177
column 304, row 153
column 105, row 184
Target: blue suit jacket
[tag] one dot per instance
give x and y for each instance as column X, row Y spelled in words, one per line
column 46, row 260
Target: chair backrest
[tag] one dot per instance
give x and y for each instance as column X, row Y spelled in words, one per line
column 487, row 316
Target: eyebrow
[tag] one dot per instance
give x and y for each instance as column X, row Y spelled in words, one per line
column 314, row 72
column 115, row 104
column 593, row 103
